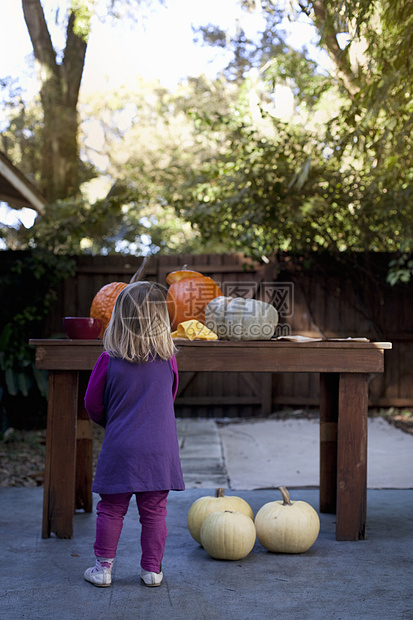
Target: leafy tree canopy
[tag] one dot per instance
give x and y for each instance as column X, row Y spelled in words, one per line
column 220, row 165
column 342, row 183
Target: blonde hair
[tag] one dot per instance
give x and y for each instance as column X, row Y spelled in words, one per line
column 139, row 328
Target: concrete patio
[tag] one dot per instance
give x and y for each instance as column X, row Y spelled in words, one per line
column 343, row 580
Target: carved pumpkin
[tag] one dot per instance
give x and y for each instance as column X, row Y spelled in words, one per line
column 286, row 526
column 104, row 300
column 236, row 318
column 203, row 506
column 228, row 535
column 188, row 295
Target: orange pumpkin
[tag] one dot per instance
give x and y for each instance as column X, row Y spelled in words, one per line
column 103, row 303
column 104, row 300
column 188, row 295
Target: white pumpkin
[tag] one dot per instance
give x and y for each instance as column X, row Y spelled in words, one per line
column 237, row 318
column 286, row 526
column 203, row 506
column 228, row 535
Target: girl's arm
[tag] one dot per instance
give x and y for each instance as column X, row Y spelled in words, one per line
column 95, row 391
column 174, row 367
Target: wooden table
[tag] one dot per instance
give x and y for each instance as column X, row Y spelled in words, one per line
column 344, row 368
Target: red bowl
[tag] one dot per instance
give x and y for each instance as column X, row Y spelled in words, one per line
column 81, row 327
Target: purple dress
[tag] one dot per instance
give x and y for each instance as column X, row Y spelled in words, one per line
column 135, row 404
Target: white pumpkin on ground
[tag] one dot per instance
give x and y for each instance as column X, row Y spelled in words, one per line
column 228, row 535
column 237, row 318
column 286, row 526
column 207, row 504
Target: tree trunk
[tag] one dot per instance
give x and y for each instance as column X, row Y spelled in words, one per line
column 59, row 92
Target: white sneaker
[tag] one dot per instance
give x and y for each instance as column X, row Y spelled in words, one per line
column 99, row 575
column 151, row 579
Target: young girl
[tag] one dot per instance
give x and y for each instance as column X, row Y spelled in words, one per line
column 131, row 394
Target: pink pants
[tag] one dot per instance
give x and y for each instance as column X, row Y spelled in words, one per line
column 111, row 511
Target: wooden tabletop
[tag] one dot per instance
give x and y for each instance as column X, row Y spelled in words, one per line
column 352, row 356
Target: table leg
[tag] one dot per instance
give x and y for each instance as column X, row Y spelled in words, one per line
column 266, row 394
column 59, row 483
column 84, row 450
column 352, row 457
column 328, row 441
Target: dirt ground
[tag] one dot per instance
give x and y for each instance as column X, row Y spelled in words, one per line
column 22, row 453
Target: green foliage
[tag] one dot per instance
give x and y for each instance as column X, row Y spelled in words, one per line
column 83, row 11
column 28, row 291
column 20, row 128
column 338, row 174
column 150, row 157
column 401, row 268
column 285, row 193
column 74, row 225
column 121, row 222
column 248, row 53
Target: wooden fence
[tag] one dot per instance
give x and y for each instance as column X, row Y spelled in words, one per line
column 316, row 295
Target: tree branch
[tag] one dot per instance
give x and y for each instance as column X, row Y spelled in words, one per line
column 39, row 33
column 324, row 22
column 73, row 62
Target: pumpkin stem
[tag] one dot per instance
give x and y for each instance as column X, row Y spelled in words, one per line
column 137, row 275
column 286, row 496
column 220, row 492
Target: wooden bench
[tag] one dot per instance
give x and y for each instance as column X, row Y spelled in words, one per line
column 344, row 367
